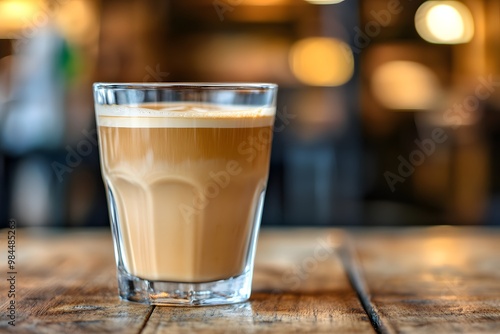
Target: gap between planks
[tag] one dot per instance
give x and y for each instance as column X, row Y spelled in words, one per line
column 146, row 319
column 348, row 256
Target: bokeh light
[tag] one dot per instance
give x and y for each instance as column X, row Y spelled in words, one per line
column 321, row 61
column 444, row 22
column 17, row 14
column 77, row 20
column 263, row 2
column 405, row 85
column 324, row 2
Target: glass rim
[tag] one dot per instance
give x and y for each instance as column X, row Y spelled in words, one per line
column 186, row 85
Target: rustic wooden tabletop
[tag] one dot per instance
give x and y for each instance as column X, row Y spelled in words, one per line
column 425, row 280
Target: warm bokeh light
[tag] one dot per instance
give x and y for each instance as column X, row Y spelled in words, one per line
column 405, row 85
column 444, row 22
column 449, row 29
column 263, row 2
column 78, row 21
column 443, row 251
column 324, row 2
column 16, row 15
column 321, row 61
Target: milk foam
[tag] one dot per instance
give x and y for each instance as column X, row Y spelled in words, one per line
column 182, row 115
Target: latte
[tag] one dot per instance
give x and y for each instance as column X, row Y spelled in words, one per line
column 185, row 181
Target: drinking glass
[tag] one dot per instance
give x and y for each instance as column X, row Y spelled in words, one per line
column 185, row 167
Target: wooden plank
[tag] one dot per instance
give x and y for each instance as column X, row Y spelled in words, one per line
column 66, row 283
column 299, row 286
column 431, row 280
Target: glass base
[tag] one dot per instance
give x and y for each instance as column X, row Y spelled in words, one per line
column 233, row 290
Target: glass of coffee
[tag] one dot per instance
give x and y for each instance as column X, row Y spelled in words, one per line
column 185, row 167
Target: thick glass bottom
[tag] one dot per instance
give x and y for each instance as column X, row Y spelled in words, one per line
column 229, row 291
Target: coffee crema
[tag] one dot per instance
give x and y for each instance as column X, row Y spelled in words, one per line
column 185, row 181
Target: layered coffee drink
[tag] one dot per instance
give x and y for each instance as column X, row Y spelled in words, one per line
column 186, row 183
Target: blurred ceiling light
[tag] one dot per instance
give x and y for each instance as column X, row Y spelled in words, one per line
column 444, row 22
column 17, row 14
column 324, row 2
column 321, row 61
column 405, row 85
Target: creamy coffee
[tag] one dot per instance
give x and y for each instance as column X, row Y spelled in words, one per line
column 185, row 180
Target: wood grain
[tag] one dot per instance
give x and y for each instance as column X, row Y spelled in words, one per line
column 299, row 286
column 67, row 284
column 429, row 280
column 434, row 280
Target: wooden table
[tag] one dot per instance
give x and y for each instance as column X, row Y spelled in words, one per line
column 426, row 280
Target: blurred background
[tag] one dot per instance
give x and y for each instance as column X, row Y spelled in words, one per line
column 388, row 110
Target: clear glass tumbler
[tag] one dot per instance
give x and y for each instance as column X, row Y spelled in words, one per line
column 185, row 167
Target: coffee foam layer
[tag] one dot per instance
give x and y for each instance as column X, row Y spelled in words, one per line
column 183, row 116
